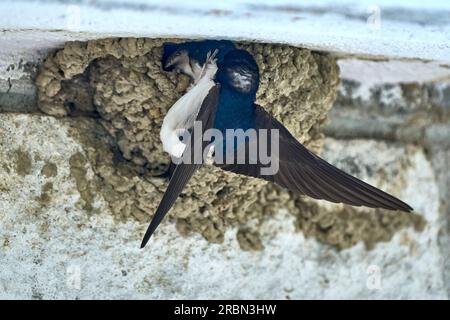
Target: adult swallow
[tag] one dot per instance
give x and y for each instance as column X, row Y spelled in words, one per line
column 222, row 97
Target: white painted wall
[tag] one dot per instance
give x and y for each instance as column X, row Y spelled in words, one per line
column 400, row 28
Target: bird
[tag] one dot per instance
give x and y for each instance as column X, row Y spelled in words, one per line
column 225, row 80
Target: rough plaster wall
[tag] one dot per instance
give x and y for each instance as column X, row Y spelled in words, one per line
column 440, row 161
column 49, row 239
column 51, row 247
column 119, row 81
column 407, row 113
column 66, row 249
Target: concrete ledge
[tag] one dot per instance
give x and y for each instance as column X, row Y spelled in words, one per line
column 400, row 29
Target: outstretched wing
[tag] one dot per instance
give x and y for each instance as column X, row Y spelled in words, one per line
column 304, row 172
column 184, row 171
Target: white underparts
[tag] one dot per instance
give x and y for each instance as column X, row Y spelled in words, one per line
column 183, row 113
column 194, row 70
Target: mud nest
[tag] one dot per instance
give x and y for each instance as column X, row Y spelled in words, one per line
column 120, row 83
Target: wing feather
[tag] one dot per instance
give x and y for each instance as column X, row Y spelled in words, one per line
column 306, row 173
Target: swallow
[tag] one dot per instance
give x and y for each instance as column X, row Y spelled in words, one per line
column 222, row 97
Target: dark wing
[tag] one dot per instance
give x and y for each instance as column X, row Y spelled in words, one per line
column 184, row 171
column 304, row 172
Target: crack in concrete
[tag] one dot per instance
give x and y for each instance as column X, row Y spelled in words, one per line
column 341, row 127
column 9, row 85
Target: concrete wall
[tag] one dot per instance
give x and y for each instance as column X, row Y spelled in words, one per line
column 389, row 125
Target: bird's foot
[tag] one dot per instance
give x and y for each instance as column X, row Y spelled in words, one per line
column 211, row 56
